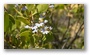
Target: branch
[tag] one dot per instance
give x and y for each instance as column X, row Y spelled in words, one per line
column 76, row 36
column 66, row 30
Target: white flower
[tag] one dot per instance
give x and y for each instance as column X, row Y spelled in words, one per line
column 44, row 32
column 45, row 21
column 26, row 26
column 46, row 27
column 34, row 30
column 44, row 13
column 35, row 27
column 51, row 6
column 40, row 18
column 41, row 24
column 37, row 24
column 50, row 28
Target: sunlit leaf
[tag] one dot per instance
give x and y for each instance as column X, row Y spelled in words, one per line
column 25, row 33
column 17, row 23
column 13, row 26
column 12, row 18
column 59, row 6
column 23, row 19
column 23, row 29
column 18, row 12
column 44, row 38
column 30, row 7
column 42, row 7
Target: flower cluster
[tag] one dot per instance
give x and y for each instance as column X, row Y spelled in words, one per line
column 40, row 27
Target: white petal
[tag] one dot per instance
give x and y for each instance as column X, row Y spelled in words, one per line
column 45, row 32
column 35, row 27
column 45, row 21
column 26, row 26
column 34, row 31
column 37, row 24
column 41, row 24
column 46, row 27
column 50, row 28
column 44, row 13
column 40, row 19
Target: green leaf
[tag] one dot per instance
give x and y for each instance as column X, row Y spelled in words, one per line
column 11, row 18
column 34, row 11
column 32, row 41
column 59, row 6
column 17, row 23
column 26, row 36
column 49, row 37
column 75, row 10
column 23, row 29
column 30, row 7
column 6, row 21
column 44, row 38
column 23, row 19
column 42, row 7
column 10, row 26
column 18, row 12
column 13, row 26
column 25, row 33
column 10, row 8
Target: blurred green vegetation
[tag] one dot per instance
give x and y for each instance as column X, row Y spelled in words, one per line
column 65, row 24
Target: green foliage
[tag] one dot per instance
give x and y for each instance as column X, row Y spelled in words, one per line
column 18, row 12
column 59, row 6
column 22, row 19
column 43, row 26
column 30, row 7
column 42, row 7
column 6, row 23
